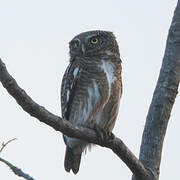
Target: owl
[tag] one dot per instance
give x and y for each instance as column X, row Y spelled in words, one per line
column 91, row 88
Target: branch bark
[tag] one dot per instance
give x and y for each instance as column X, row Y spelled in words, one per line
column 64, row 126
column 163, row 100
column 16, row 170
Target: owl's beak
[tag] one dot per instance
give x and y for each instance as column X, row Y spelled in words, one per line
column 83, row 49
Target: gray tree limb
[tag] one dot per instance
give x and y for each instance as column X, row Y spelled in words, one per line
column 16, row 170
column 64, row 126
column 163, row 100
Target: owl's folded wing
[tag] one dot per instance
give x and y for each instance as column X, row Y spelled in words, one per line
column 68, row 84
column 82, row 97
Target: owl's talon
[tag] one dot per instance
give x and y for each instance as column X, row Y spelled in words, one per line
column 111, row 136
column 100, row 134
column 103, row 135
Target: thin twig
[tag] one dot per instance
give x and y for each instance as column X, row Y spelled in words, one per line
column 5, row 144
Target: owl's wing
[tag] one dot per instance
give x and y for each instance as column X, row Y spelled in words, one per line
column 82, row 96
column 67, row 86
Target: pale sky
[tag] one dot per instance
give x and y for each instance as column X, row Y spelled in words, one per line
column 34, row 38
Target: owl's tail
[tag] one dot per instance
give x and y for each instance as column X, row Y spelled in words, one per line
column 72, row 159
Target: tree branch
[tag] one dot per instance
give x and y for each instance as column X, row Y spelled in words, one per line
column 163, row 100
column 64, row 126
column 15, row 169
column 5, row 144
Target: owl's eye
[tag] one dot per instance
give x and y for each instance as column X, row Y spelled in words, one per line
column 94, row 40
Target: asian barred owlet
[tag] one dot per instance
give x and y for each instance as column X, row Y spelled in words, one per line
column 91, row 88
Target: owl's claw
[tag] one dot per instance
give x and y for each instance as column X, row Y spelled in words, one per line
column 111, row 136
column 102, row 134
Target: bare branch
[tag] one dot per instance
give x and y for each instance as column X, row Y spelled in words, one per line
column 163, row 100
column 15, row 169
column 64, row 126
column 5, row 144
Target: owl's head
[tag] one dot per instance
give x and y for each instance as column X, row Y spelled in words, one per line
column 93, row 43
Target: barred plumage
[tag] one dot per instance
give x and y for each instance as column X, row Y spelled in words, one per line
column 91, row 88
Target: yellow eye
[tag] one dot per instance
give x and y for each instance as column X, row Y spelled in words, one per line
column 94, row 40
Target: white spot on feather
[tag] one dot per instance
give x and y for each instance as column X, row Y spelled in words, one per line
column 94, row 95
column 108, row 68
column 96, row 91
column 91, row 100
column 67, row 95
column 75, row 72
column 71, row 85
column 109, row 53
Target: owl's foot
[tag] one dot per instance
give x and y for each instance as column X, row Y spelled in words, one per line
column 103, row 135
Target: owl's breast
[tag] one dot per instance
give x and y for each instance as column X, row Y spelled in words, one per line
column 90, row 92
column 107, row 116
column 91, row 89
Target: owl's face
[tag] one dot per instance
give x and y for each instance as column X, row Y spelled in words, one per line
column 93, row 43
